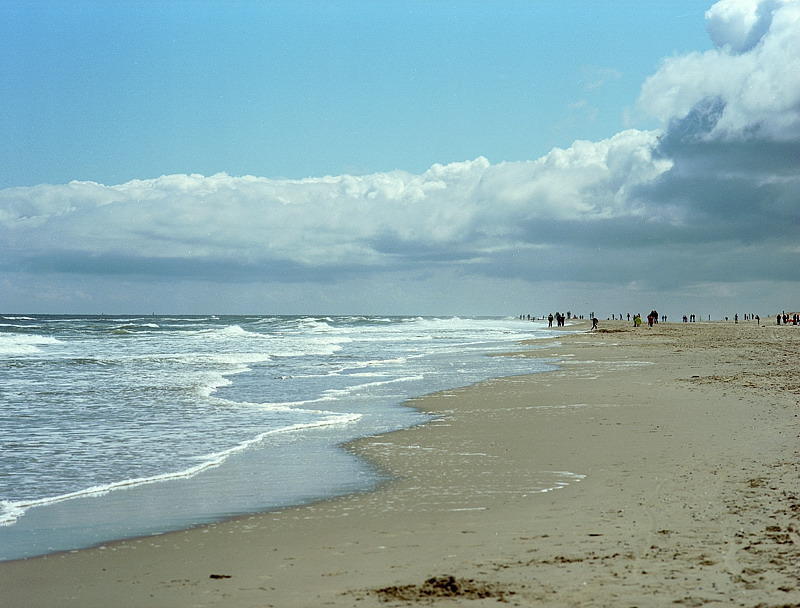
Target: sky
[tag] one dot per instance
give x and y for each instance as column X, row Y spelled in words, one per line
column 400, row 157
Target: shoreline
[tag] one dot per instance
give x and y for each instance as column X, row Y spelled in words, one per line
column 685, row 439
column 60, row 510
column 272, row 470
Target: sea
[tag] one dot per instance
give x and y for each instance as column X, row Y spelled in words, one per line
column 117, row 427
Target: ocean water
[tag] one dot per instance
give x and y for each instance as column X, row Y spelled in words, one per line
column 114, row 427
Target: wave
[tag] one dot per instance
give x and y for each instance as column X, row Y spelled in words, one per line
column 207, row 381
column 316, row 324
column 231, row 331
column 282, row 405
column 130, row 326
column 563, row 479
column 278, row 344
column 338, row 394
column 341, row 392
column 364, row 364
column 22, row 344
column 11, row 511
column 187, row 319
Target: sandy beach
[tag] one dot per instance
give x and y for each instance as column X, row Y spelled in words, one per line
column 671, row 458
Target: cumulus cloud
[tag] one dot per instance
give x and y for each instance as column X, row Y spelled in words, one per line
column 753, row 75
column 710, row 197
column 461, row 211
column 732, row 128
column 738, row 25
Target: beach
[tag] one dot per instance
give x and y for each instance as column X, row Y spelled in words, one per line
column 669, row 456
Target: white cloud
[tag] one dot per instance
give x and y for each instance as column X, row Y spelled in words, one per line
column 383, row 219
column 738, row 25
column 753, row 75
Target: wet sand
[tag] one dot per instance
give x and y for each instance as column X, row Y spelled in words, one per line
column 674, row 451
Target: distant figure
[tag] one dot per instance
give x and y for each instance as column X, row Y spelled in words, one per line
column 637, row 320
column 629, row 316
column 736, row 318
column 758, row 320
column 550, row 320
column 779, row 318
column 594, row 322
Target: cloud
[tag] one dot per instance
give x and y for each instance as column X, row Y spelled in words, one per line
column 753, row 75
column 738, row 25
column 190, row 224
column 732, row 128
column 710, row 198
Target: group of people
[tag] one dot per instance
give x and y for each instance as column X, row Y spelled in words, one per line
column 560, row 318
column 653, row 314
column 653, row 318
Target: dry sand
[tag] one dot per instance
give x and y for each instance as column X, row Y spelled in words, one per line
column 686, row 436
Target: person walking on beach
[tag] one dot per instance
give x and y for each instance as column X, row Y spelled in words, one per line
column 550, row 320
column 594, row 322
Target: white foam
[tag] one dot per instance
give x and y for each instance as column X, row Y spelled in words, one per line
column 568, row 478
column 340, row 392
column 11, row 511
column 24, row 344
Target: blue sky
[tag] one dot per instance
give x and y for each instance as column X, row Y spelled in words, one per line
column 112, row 91
column 399, row 157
